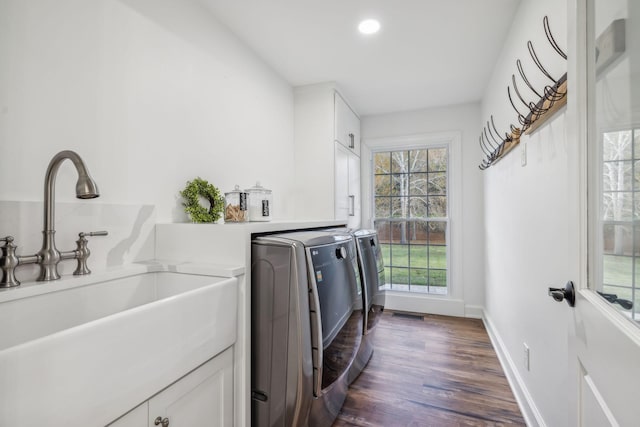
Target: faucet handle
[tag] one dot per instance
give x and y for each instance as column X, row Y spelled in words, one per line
column 8, row 243
column 82, row 252
column 93, row 233
column 8, row 263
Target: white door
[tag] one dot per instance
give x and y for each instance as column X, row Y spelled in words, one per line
column 604, row 123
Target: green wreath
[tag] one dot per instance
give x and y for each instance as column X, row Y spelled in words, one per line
column 192, row 193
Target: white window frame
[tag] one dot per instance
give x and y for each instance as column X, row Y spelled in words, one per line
column 596, row 222
column 453, row 302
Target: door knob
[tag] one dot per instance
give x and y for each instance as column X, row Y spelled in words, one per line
column 568, row 294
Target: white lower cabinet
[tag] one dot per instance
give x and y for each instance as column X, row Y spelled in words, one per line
column 202, row 398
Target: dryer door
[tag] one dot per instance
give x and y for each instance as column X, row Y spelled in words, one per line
column 336, row 294
column 372, row 277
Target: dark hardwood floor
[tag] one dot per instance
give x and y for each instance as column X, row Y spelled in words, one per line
column 440, row 371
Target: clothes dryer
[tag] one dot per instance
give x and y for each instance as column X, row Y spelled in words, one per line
column 307, row 325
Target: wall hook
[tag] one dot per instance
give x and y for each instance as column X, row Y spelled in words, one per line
column 552, row 40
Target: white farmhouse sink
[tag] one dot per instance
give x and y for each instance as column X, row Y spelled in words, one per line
column 91, row 348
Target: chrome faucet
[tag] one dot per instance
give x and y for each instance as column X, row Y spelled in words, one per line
column 49, row 256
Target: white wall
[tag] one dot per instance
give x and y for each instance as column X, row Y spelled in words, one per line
column 151, row 93
column 528, row 231
column 463, row 119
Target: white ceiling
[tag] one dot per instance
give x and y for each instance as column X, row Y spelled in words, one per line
column 428, row 52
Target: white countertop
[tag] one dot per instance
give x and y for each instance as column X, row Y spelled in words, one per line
column 265, row 226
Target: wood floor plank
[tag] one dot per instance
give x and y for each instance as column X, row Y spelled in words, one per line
column 433, row 372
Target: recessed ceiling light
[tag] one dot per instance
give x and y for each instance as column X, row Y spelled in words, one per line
column 369, row 26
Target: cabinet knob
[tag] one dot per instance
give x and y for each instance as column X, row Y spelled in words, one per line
column 164, row 422
column 352, row 141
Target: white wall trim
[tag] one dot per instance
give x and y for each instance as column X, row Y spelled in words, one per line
column 473, row 311
column 427, row 304
column 418, row 303
column 530, row 412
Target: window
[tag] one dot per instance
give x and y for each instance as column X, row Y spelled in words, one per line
column 411, row 217
column 620, row 210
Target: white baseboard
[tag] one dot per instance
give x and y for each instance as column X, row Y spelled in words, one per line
column 474, row 311
column 530, row 412
column 416, row 303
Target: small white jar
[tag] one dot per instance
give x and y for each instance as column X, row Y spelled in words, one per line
column 260, row 203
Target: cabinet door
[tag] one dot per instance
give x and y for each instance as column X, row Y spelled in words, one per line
column 202, row 398
column 354, row 192
column 341, row 196
column 347, row 125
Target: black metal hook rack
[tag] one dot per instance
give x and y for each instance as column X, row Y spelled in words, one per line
column 550, row 99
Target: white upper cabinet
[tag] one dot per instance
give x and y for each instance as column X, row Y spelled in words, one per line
column 347, row 125
column 347, row 181
column 327, row 156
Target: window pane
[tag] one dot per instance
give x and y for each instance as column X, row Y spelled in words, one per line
column 418, row 231
column 616, row 146
column 383, row 185
column 418, row 159
column 419, row 277
column 617, row 239
column 437, row 257
column 437, row 160
column 438, row 183
column 384, row 231
column 618, row 270
column 418, row 207
column 437, row 233
column 382, row 162
column 383, row 207
column 399, row 207
column 437, row 278
column 418, row 255
column 400, row 276
column 400, row 161
column 617, row 206
column 636, row 171
column 399, row 184
column 437, row 206
column 399, row 232
column 616, row 176
column 418, row 184
column 399, row 255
